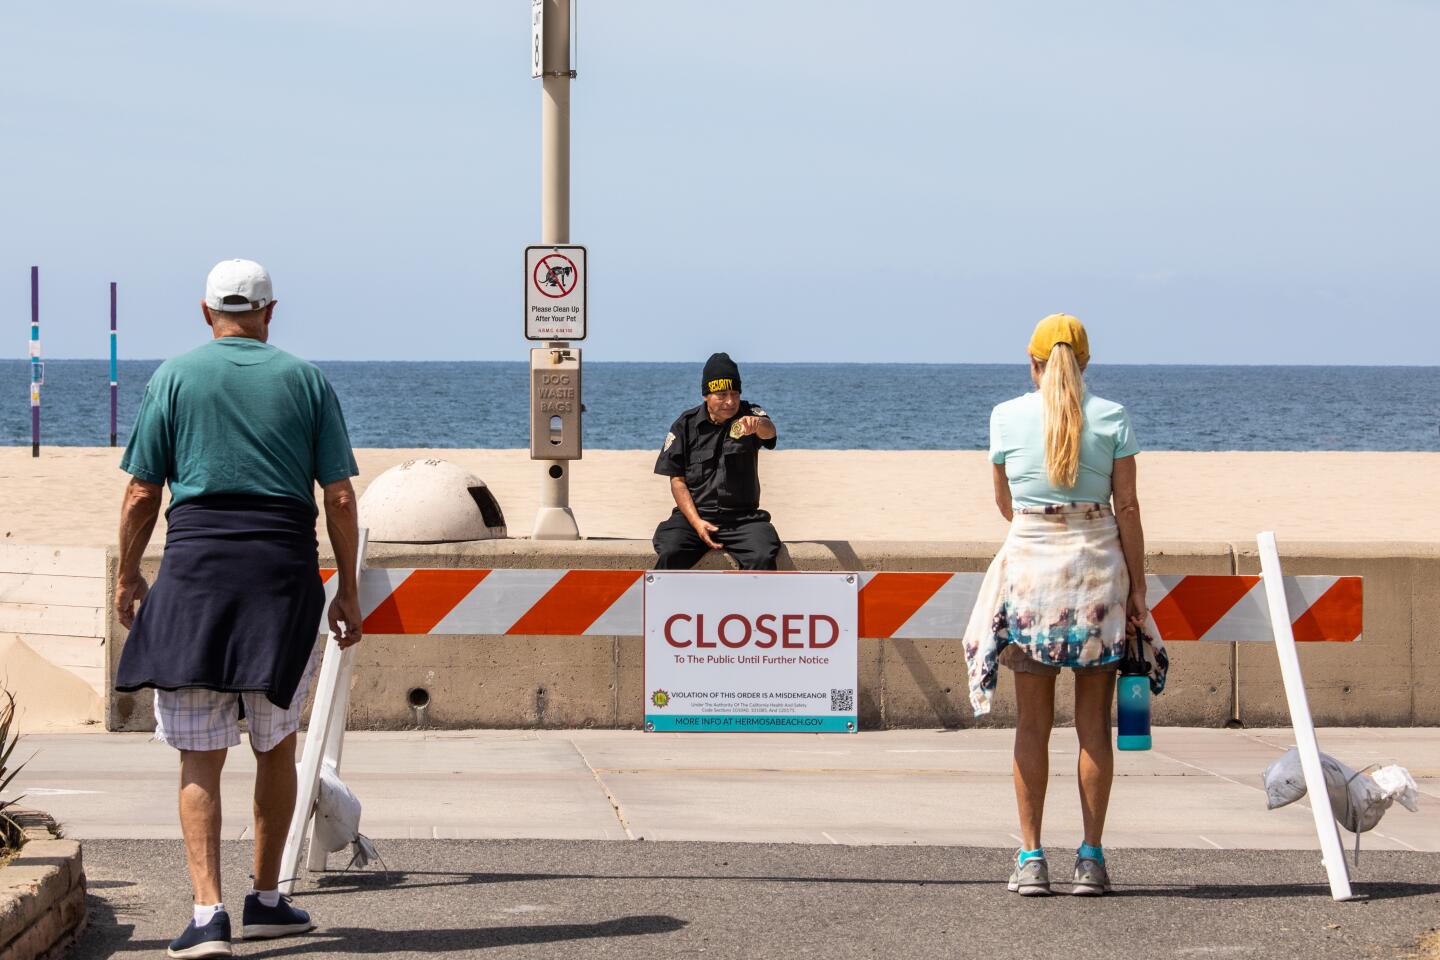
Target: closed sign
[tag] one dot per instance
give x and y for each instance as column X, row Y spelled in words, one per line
column 736, row 652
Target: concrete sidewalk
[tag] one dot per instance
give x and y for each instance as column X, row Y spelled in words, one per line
column 1200, row 788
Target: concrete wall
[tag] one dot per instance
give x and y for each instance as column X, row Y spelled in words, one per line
column 52, row 599
column 1391, row 678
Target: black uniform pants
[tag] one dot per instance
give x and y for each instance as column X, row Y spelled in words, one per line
column 750, row 539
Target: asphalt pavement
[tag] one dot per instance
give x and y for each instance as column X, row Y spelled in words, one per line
column 596, row 843
column 639, row 899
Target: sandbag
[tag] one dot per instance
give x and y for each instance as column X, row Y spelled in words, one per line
column 1284, row 780
column 1356, row 799
column 337, row 813
column 337, row 819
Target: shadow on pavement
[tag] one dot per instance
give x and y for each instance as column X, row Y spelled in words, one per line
column 403, row 880
column 400, row 880
column 363, row 940
column 1243, row 891
column 105, row 933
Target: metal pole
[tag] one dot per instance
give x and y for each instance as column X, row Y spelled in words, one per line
column 114, row 370
column 35, row 375
column 555, row 520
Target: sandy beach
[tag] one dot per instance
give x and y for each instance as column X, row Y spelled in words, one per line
column 71, row 495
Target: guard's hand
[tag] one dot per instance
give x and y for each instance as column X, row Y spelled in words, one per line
column 704, row 530
column 345, row 620
column 748, row 425
column 129, row 590
column 1136, row 612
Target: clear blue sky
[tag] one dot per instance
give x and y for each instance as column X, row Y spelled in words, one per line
column 1200, row 182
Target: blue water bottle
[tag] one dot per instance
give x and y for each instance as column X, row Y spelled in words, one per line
column 1132, row 712
column 1132, row 700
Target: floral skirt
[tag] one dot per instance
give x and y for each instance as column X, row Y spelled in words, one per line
column 1057, row 591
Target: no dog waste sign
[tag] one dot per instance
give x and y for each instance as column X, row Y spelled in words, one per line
column 555, row 293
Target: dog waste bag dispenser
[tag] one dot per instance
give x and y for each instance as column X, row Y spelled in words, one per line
column 555, row 406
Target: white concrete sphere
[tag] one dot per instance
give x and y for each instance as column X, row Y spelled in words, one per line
column 430, row 501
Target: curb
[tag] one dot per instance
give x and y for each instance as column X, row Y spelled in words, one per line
column 42, row 893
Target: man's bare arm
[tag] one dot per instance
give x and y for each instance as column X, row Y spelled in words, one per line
column 138, row 514
column 686, row 503
column 342, row 521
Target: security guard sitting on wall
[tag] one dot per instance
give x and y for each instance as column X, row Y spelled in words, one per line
column 711, row 456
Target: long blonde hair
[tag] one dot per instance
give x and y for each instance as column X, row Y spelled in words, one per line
column 1062, row 391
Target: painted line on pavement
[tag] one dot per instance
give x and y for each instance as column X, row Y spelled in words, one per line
column 1196, row 766
column 1386, row 836
column 957, row 750
column 730, row 771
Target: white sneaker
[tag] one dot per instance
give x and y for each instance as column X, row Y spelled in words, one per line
column 1031, row 878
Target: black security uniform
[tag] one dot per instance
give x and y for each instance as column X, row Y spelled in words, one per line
column 723, row 476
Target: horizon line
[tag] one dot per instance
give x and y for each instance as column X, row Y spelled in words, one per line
column 793, row 363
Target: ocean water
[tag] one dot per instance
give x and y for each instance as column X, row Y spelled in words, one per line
column 815, row 405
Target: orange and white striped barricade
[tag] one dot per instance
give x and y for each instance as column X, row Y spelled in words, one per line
column 932, row 606
column 909, row 605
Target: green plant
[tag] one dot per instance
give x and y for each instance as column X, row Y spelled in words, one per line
column 8, row 742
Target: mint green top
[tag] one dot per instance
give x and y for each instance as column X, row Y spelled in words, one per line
column 239, row 416
column 1017, row 439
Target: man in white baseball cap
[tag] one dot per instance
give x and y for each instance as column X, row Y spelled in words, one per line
column 242, row 432
column 238, row 286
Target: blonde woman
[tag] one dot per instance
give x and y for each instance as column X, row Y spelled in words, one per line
column 1066, row 589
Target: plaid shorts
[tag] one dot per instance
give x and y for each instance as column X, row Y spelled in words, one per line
column 193, row 718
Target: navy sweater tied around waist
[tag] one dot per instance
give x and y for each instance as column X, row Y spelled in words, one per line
column 237, row 604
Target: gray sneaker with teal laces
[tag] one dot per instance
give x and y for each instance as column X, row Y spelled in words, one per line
column 1031, row 878
column 1091, row 879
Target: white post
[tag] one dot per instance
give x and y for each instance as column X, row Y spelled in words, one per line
column 317, row 858
column 324, row 736
column 555, row 520
column 1331, row 853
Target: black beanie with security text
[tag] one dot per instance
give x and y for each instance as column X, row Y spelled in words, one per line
column 721, row 373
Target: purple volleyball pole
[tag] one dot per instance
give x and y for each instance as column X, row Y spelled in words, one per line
column 37, row 369
column 114, row 371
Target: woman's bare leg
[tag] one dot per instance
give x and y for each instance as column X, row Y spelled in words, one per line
column 1096, row 770
column 1035, row 698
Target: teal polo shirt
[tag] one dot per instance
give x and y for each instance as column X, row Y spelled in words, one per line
column 237, row 416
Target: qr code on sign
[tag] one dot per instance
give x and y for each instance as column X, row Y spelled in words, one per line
column 842, row 701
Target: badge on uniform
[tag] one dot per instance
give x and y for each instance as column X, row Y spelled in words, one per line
column 669, row 439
